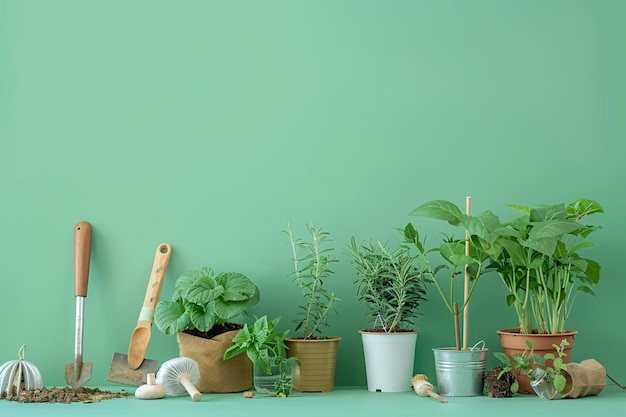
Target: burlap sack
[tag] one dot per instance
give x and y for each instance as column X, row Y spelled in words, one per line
column 584, row 379
column 216, row 374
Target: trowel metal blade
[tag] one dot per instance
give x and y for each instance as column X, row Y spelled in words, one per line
column 121, row 373
column 85, row 374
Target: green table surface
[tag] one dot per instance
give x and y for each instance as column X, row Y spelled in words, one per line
column 343, row 401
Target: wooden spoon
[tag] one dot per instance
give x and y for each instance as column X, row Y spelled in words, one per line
column 141, row 335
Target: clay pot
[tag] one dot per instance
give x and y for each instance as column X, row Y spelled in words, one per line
column 515, row 342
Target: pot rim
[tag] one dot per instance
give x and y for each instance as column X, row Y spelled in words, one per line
column 321, row 340
column 366, row 331
column 516, row 331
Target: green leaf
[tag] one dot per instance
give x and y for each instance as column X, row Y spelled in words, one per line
column 593, row 270
column 548, row 213
column 185, row 280
column 515, row 387
column 441, row 210
column 204, row 290
column 202, row 317
column 559, row 382
column 171, row 317
column 584, row 207
column 484, row 226
column 454, row 253
column 503, row 357
column 237, row 287
column 412, row 236
column 226, row 310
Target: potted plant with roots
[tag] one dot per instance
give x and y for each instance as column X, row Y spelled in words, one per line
column 547, row 381
column 391, row 286
column 316, row 352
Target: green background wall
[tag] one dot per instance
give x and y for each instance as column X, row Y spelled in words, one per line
column 211, row 124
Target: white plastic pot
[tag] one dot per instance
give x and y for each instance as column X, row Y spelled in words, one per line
column 389, row 360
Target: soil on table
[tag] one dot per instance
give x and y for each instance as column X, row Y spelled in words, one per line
column 63, row 395
column 499, row 387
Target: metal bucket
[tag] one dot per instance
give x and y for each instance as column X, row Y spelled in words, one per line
column 460, row 373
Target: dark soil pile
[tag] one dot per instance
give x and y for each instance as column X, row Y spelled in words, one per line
column 215, row 330
column 63, row 395
column 499, row 387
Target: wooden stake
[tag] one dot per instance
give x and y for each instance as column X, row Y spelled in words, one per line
column 466, row 292
column 457, row 330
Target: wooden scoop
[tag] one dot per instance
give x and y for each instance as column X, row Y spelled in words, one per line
column 141, row 335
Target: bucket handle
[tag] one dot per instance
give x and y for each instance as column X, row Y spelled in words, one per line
column 480, row 342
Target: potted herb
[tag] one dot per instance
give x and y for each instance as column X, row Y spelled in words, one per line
column 200, row 314
column 267, row 350
column 391, row 287
column 460, row 370
column 316, row 352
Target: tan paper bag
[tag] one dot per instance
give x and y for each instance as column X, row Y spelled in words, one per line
column 216, row 374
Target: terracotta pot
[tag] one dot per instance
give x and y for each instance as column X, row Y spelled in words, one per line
column 513, row 342
column 318, row 359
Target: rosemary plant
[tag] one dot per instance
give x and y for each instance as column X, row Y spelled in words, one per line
column 310, row 272
column 389, row 284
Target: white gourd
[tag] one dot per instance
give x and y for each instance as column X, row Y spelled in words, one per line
column 13, row 373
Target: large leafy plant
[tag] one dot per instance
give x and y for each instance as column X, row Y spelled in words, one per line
column 537, row 256
column 203, row 299
column 311, row 270
column 389, row 284
column 541, row 251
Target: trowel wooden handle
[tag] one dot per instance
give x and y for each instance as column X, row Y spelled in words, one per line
column 82, row 256
column 161, row 260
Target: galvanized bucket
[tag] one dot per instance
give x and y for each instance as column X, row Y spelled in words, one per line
column 460, row 373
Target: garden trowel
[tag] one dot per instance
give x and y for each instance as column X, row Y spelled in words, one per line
column 79, row 372
column 133, row 369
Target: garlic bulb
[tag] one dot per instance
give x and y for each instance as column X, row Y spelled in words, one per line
column 151, row 390
column 13, row 373
column 423, row 388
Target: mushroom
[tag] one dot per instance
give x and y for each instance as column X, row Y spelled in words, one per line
column 178, row 376
column 14, row 373
column 423, row 388
column 151, row 390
